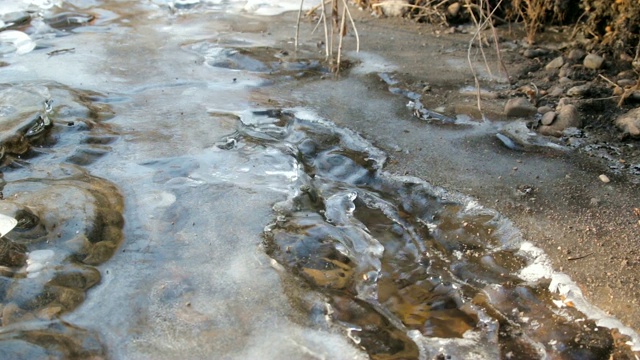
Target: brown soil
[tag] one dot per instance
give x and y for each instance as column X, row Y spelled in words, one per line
column 588, row 227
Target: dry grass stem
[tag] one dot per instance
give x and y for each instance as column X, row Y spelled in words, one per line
column 478, row 35
column 326, row 32
column 334, row 10
column 482, row 23
column 298, row 25
column 533, row 13
column 628, row 92
column 338, row 18
column 317, row 24
column 607, row 80
column 353, row 25
column 342, row 34
column 497, row 43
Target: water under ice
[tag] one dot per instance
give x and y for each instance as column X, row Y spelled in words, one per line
column 167, row 212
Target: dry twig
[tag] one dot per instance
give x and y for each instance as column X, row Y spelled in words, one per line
column 339, row 21
column 579, row 257
column 298, row 25
column 482, row 24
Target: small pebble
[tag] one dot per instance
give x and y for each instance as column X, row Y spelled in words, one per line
column 555, row 63
column 548, row 117
column 556, row 92
column 604, row 178
column 564, row 80
column 576, row 54
column 580, row 90
column 533, row 53
column 544, row 109
column 519, row 107
column 626, row 82
column 593, row 61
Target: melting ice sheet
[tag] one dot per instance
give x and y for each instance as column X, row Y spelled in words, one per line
column 256, row 7
column 410, row 270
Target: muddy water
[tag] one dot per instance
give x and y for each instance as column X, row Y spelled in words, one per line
column 169, row 207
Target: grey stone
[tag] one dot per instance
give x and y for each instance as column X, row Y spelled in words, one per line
column 556, row 91
column 548, row 117
column 565, row 71
column 555, row 63
column 517, row 136
column 579, row 91
column 549, row 130
column 564, row 80
column 576, row 55
column 629, row 122
column 626, row 82
column 593, row 61
column 627, row 74
column 544, row 109
column 567, row 117
column 519, row 107
column 534, row 53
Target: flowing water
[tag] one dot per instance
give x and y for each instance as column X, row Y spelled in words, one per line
column 168, row 207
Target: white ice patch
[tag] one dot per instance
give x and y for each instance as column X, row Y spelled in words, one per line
column 291, row 176
column 9, row 6
column 563, row 285
column 472, row 206
column 13, row 41
column 158, row 199
column 370, row 63
column 37, row 261
column 271, row 8
column 7, row 223
column 539, row 268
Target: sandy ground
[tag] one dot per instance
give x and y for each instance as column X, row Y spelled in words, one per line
column 587, row 227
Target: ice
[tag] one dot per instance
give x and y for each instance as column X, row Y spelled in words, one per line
column 14, row 41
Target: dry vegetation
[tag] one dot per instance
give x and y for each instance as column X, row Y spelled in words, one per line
column 607, row 25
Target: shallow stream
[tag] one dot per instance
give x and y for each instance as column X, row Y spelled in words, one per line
column 170, row 205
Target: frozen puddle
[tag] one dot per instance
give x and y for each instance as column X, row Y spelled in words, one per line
column 168, row 205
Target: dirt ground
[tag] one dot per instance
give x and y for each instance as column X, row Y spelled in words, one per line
column 557, row 198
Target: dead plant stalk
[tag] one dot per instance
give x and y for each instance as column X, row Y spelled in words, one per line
column 328, row 39
column 482, row 23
